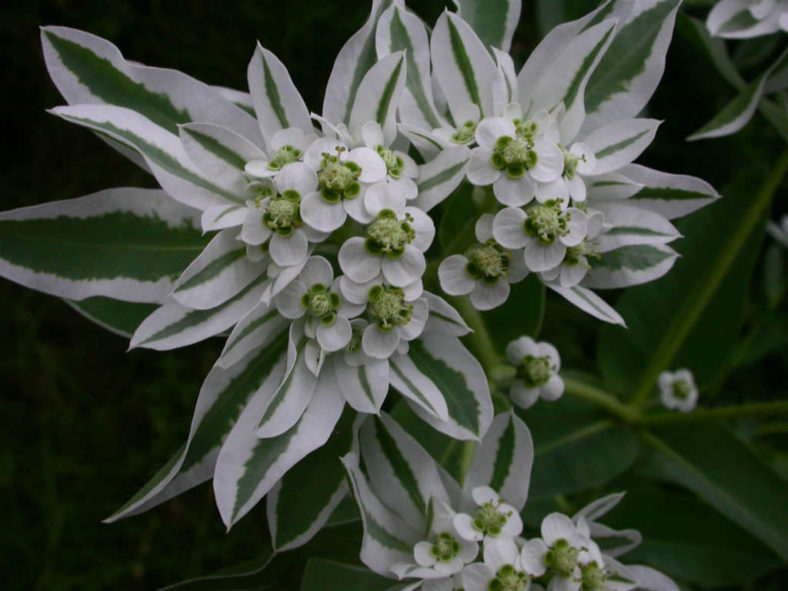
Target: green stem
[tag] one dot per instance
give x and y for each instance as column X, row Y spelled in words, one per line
column 479, row 340
column 600, row 398
column 711, row 414
column 706, row 287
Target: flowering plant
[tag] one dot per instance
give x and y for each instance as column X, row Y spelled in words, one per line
column 353, row 261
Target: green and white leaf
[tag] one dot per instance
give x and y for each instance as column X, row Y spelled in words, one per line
column 633, row 65
column 611, row 187
column 444, row 318
column 364, row 387
column 589, row 302
column 417, row 388
column 89, row 70
column 379, row 95
column 462, row 65
column 118, row 317
column 629, row 265
column 620, row 142
column 493, row 21
column 300, row 504
column 276, row 100
column 355, row 58
column 320, row 574
column 220, row 272
column 440, row 176
column 224, row 393
column 128, row 244
column 254, row 330
column 447, row 365
column 400, row 30
column 626, row 226
column 711, row 461
column 248, row 466
column 503, row 461
column 174, row 325
column 161, row 150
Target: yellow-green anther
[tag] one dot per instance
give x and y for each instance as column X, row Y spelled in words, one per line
column 445, row 547
column 575, row 254
column 387, row 306
column 546, row 222
column 526, row 129
column 570, row 163
column 535, row 371
column 489, row 519
column 562, row 558
column 513, row 155
column 509, row 579
column 283, row 214
column 285, row 155
column 681, row 389
column 394, row 163
column 465, row 133
column 488, row 262
column 338, row 179
column 321, row 303
column 388, row 235
column 593, row 578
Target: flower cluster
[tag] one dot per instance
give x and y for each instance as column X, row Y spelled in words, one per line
column 741, row 19
column 443, row 537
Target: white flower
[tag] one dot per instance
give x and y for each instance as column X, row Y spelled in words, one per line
column 511, row 158
column 579, row 160
column 275, row 215
column 574, row 267
column 396, row 314
column 779, row 231
column 445, row 552
column 287, row 145
column 395, row 240
column 494, row 518
column 502, row 569
column 485, row 271
column 343, row 176
column 316, row 294
column 741, row 19
column 537, row 367
column 465, row 130
column 401, row 169
column 677, row 390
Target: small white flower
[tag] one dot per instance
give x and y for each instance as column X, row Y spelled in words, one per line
column 401, row 169
column 493, row 519
column 465, row 132
column 342, row 178
column 677, row 390
column 574, row 267
column 502, row 569
column 287, row 146
column 537, row 367
column 395, row 242
column 579, row 161
column 485, row 271
column 544, row 230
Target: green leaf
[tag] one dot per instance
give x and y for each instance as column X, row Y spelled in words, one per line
column 378, row 96
column 526, row 305
column 116, row 316
column 320, row 575
column 300, row 504
column 494, row 21
column 695, row 312
column 630, row 265
column 127, row 244
column 575, row 447
column 713, row 552
column 711, row 461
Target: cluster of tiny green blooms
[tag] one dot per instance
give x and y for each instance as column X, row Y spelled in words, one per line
column 321, row 303
column 513, row 156
column 283, row 214
column 338, row 180
column 445, row 547
column 388, row 308
column 394, row 163
column 465, row 133
column 526, row 130
column 546, row 221
column 508, row 579
column 534, row 371
column 562, row 558
column 681, row 389
column 388, row 236
column 285, row 155
column 593, row 578
column 488, row 262
column 489, row 520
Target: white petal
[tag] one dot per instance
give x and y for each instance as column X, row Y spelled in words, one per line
column 358, row 264
column 313, row 156
column 406, row 185
column 542, row 258
column 517, row 349
column 384, row 196
column 523, row 396
column 532, row 557
column 571, row 275
column 320, row 214
column 379, row 344
column 253, row 231
column 558, row 526
column 484, row 227
column 549, row 163
column 484, row 494
column 586, row 158
column 577, row 188
column 297, row 177
column 514, row 523
column 288, row 251
column 553, row 389
column 453, row 278
column 422, row 552
column 355, row 293
column 576, row 226
column 413, row 291
column 480, row 170
column 490, row 129
column 468, row 112
column 423, row 226
column 501, row 553
column 406, row 269
column 372, row 134
column 476, row 577
column 463, row 523
column 355, row 208
column 334, row 337
column 514, row 192
column 373, row 169
column 508, row 228
column 556, row 189
column 487, row 297
column 418, row 319
column 317, row 270
column 288, row 302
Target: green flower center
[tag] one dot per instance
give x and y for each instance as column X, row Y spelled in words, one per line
column 284, row 213
column 570, row 163
column 394, row 163
column 681, row 389
column 562, row 558
column 321, row 303
column 337, row 179
column 388, row 235
column 513, row 156
column 546, row 222
column 489, row 519
column 574, row 254
column 526, row 130
column 535, row 371
column 354, row 345
column 508, row 579
column 285, row 155
column 260, row 192
column 465, row 133
column 594, row 578
column 387, row 306
column 488, row 262
column 445, row 547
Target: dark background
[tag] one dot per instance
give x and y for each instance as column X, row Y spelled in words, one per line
column 83, row 424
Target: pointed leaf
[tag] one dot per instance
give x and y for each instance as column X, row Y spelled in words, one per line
column 440, row 176
column 121, row 318
column 619, row 143
column 590, row 303
column 494, row 21
column 126, row 243
column 630, row 265
column 378, row 96
column 323, row 574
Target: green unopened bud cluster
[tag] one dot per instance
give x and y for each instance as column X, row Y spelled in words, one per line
column 285, row 155
column 388, row 235
column 445, row 547
column 283, row 214
column 488, row 262
column 321, row 303
column 394, row 164
column 546, row 221
column 338, row 179
column 509, row 579
column 388, row 308
column 465, row 133
column 513, row 156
